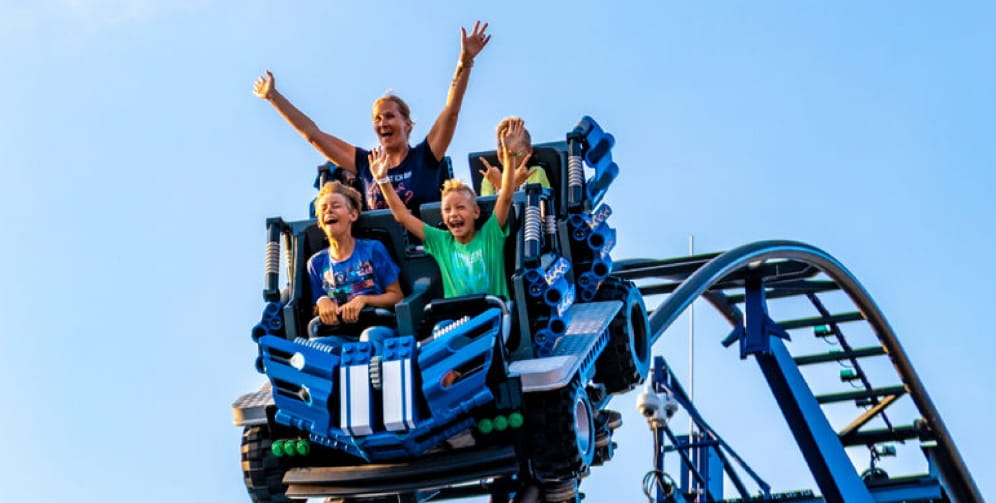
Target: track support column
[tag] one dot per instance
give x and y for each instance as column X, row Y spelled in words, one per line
column 824, row 453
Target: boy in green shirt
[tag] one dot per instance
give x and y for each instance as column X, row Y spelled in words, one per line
column 470, row 261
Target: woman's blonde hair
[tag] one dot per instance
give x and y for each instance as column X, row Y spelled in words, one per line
column 402, row 106
column 352, row 195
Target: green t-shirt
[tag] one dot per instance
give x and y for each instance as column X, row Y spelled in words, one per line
column 538, row 176
column 472, row 268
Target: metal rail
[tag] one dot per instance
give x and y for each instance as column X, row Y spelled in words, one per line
column 719, row 270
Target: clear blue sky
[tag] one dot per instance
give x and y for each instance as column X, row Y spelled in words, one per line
column 138, row 170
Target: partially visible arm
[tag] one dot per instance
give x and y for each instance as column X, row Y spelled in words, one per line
column 350, row 311
column 504, row 201
column 391, row 296
column 490, row 178
column 378, row 168
column 328, row 311
column 522, row 175
column 510, row 165
column 442, row 130
column 326, row 307
column 339, row 152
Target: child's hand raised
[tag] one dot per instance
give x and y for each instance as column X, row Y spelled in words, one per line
column 522, row 173
column 378, row 163
column 490, row 173
column 513, row 143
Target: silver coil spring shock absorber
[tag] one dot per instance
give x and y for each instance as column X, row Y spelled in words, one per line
column 271, row 260
column 575, row 172
column 532, row 228
column 272, row 257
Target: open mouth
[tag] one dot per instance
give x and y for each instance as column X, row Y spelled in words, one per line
column 330, row 220
column 455, row 225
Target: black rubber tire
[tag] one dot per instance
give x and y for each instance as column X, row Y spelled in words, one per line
column 561, row 433
column 264, row 472
column 626, row 360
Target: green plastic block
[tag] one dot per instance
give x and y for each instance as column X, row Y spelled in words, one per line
column 289, row 448
column 501, row 423
column 303, row 447
column 277, row 448
column 485, row 426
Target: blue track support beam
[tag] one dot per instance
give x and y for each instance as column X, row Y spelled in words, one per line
column 820, row 445
column 951, row 468
column 828, row 462
column 758, row 325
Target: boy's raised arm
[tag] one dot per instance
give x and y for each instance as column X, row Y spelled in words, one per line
column 378, row 168
column 510, row 164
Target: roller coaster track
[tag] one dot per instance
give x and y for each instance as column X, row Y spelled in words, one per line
column 752, row 274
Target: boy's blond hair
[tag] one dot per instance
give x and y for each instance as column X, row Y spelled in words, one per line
column 352, row 195
column 457, row 185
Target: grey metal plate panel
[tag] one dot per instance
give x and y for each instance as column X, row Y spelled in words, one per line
column 588, row 323
column 250, row 409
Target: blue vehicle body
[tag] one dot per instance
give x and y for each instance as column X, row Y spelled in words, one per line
column 526, row 378
column 479, row 396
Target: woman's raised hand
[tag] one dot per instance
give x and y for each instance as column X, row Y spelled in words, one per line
column 264, row 85
column 471, row 45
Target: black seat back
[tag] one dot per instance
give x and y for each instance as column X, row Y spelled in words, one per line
column 329, row 172
column 432, row 214
column 552, row 156
column 415, row 266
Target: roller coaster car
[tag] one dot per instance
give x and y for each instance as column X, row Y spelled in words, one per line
column 476, row 395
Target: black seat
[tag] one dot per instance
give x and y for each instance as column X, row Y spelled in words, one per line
column 552, row 156
column 432, row 214
column 419, row 274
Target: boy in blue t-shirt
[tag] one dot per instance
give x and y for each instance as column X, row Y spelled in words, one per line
column 470, row 261
column 351, row 273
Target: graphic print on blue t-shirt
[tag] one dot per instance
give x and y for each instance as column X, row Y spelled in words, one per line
column 469, row 271
column 348, row 279
column 369, row 270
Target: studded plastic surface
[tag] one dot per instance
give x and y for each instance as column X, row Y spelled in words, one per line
column 250, row 408
column 574, row 352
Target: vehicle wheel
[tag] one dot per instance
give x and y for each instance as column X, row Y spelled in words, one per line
column 626, row 359
column 264, row 472
column 561, row 432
